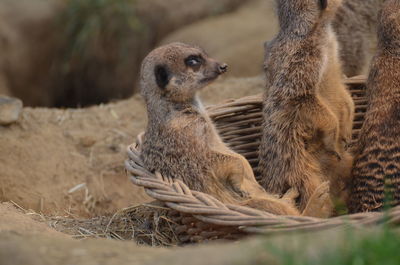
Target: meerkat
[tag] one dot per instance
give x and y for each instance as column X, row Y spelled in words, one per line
column 355, row 26
column 181, row 141
column 335, row 95
column 307, row 111
column 376, row 172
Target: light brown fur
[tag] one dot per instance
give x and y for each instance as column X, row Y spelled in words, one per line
column 181, row 141
column 308, row 112
column 376, row 172
column 335, row 95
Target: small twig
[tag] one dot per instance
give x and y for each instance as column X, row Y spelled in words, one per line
column 77, row 187
column 18, row 206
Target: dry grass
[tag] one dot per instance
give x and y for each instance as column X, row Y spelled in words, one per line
column 146, row 224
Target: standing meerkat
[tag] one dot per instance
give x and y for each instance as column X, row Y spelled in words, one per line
column 376, row 171
column 355, row 26
column 308, row 112
column 181, row 141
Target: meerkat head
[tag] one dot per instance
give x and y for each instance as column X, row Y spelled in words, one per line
column 300, row 16
column 177, row 71
column 389, row 25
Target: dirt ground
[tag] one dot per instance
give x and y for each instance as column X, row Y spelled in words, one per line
column 70, row 162
column 26, row 241
column 20, row 231
column 14, row 220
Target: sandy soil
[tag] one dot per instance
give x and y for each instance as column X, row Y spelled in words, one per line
column 70, row 162
column 28, row 242
column 49, row 152
column 16, row 249
column 14, row 220
column 231, row 88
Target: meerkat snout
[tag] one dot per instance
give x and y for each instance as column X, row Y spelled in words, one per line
column 214, row 71
column 223, row 68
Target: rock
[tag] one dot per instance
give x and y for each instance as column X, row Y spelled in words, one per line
column 10, row 110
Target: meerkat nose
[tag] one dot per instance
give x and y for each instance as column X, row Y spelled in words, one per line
column 223, row 68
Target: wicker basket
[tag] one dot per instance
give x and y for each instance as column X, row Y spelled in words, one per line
column 198, row 216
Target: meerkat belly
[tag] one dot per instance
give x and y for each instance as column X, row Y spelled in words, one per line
column 335, row 96
column 334, row 93
column 178, row 156
column 376, row 176
column 287, row 145
column 376, row 169
column 183, row 150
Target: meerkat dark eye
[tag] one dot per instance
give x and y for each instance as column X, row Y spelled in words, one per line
column 193, row 61
column 323, row 4
column 162, row 76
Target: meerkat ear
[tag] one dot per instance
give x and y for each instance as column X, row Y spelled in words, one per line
column 162, row 76
column 323, row 4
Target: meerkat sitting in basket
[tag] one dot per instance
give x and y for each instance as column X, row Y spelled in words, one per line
column 308, row 112
column 181, row 141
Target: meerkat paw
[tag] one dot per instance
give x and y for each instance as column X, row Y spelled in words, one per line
column 235, row 181
column 333, row 150
column 291, row 195
column 240, row 192
column 320, row 203
column 330, row 141
column 335, row 154
column 243, row 194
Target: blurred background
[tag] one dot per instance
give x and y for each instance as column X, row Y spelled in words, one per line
column 77, row 53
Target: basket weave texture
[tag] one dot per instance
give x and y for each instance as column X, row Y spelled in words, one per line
column 202, row 217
